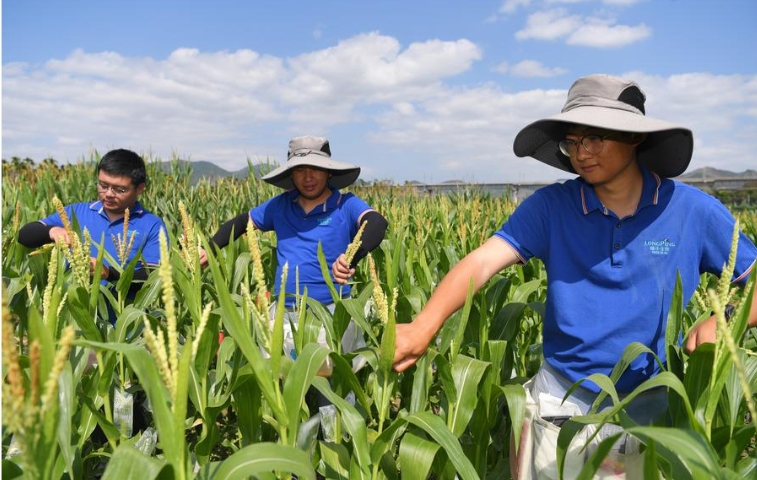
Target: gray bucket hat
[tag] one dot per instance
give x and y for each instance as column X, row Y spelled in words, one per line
column 611, row 103
column 312, row 152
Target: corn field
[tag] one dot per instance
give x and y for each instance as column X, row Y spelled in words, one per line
column 192, row 382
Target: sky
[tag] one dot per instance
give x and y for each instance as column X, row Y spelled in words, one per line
column 423, row 90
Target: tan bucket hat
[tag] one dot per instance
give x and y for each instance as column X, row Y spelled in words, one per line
column 312, row 152
column 611, row 103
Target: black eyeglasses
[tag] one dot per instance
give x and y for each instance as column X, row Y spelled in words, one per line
column 104, row 187
column 592, row 143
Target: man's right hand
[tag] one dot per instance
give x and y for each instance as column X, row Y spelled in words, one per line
column 411, row 344
column 203, row 258
column 59, row 233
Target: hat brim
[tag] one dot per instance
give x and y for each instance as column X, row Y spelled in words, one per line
column 666, row 151
column 342, row 174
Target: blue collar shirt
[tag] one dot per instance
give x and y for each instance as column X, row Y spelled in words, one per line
column 610, row 281
column 144, row 225
column 333, row 224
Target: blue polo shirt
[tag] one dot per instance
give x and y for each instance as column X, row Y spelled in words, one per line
column 92, row 216
column 333, row 223
column 610, row 281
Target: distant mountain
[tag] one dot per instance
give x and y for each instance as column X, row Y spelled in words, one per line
column 710, row 173
column 209, row 170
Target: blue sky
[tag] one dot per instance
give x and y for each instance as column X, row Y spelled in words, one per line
column 410, row 90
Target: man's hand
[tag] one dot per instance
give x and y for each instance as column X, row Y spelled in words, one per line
column 103, row 273
column 60, row 232
column 341, row 270
column 703, row 332
column 410, row 345
column 203, row 258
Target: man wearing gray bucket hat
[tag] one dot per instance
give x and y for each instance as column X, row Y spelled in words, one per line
column 613, row 241
column 312, row 210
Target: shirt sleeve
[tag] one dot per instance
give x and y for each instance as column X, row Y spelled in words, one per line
column 151, row 245
column 717, row 245
column 525, row 229
column 263, row 215
column 355, row 207
column 54, row 219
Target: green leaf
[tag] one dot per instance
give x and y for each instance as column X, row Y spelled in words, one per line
column 515, row 396
column 78, row 305
column 356, row 309
column 353, row 423
column 467, row 373
column 240, row 332
column 144, row 366
column 422, row 381
column 297, row 383
column 673, row 327
column 336, row 459
column 436, row 429
column 259, row 459
column 67, row 405
column 416, row 456
column 128, row 463
column 11, row 470
column 326, row 273
column 689, row 453
column 388, row 342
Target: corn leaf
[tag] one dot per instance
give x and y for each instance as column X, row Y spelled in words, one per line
column 128, row 463
column 259, row 459
column 435, row 428
column 467, row 373
column 416, row 456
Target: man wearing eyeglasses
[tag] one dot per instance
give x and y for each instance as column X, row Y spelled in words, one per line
column 121, row 179
column 614, row 241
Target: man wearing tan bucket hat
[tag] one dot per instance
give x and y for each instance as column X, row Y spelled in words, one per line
column 613, row 241
column 311, row 211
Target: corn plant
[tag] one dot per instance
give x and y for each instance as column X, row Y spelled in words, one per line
column 215, row 397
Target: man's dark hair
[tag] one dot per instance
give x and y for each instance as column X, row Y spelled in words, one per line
column 124, row 163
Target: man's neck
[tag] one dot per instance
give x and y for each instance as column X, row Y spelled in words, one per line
column 623, row 195
column 308, row 204
column 113, row 216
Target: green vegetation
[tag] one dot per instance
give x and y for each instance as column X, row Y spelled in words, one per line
column 212, row 395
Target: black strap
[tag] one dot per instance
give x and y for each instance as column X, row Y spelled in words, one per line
column 373, row 234
column 34, row 234
column 237, row 225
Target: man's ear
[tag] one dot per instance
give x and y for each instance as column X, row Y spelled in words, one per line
column 141, row 188
column 637, row 138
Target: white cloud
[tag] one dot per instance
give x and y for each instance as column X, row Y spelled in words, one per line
column 510, row 6
column 199, row 103
column 549, row 25
column 623, row 3
column 533, row 68
column 557, row 23
column 604, row 35
column 503, row 67
column 413, row 118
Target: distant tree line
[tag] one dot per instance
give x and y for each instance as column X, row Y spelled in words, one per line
column 745, row 198
column 18, row 164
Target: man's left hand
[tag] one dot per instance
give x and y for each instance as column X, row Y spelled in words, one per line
column 341, row 270
column 93, row 263
column 703, row 332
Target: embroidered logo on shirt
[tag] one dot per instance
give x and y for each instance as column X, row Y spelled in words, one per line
column 660, row 247
column 324, row 220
